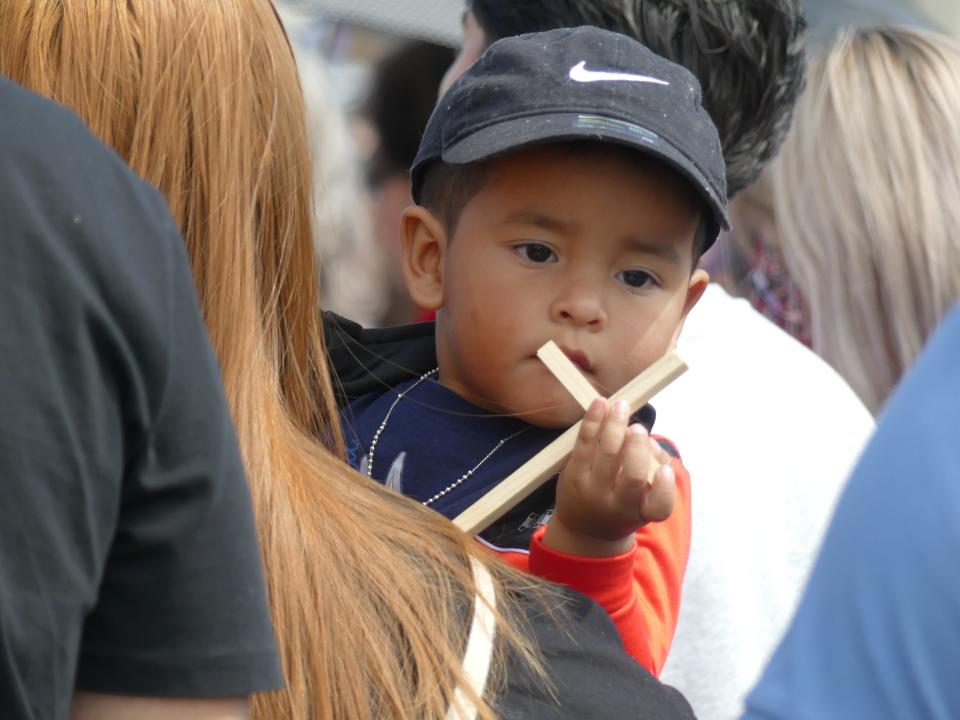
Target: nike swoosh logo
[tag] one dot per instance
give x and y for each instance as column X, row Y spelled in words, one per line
column 579, row 73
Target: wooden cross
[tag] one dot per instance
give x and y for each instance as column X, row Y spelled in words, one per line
column 548, row 462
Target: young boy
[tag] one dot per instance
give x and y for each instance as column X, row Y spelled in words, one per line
column 566, row 186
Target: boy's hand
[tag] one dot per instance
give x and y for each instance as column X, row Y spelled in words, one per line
column 603, row 495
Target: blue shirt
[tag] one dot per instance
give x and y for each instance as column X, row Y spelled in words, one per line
column 433, row 437
column 877, row 633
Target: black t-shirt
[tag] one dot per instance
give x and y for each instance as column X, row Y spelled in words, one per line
column 589, row 673
column 128, row 557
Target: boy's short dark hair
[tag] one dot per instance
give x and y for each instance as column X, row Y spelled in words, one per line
column 747, row 54
column 447, row 189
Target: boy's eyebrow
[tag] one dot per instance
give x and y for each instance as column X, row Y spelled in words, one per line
column 667, row 251
column 534, row 217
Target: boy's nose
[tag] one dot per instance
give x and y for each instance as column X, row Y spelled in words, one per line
column 579, row 305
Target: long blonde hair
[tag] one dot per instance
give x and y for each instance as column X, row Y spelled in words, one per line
column 867, row 200
column 368, row 590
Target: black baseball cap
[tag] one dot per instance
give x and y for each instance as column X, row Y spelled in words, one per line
column 577, row 84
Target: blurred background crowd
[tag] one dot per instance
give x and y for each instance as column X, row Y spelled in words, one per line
column 844, row 237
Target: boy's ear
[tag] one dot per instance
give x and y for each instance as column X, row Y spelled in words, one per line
column 699, row 279
column 424, row 247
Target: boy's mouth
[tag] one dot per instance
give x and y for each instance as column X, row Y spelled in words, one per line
column 578, row 358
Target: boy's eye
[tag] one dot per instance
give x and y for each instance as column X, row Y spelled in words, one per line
column 536, row 253
column 636, row 278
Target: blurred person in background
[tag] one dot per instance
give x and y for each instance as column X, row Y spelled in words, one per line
column 867, row 200
column 353, row 272
column 752, row 263
column 401, row 98
column 877, row 630
column 375, row 600
column 752, row 391
column 826, row 18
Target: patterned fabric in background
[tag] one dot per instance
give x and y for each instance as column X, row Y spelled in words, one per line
column 769, row 288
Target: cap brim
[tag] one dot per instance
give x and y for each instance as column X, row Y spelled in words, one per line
column 517, row 133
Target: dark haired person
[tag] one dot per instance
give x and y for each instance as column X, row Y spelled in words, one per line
column 130, row 579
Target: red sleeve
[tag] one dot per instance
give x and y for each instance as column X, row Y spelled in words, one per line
column 640, row 590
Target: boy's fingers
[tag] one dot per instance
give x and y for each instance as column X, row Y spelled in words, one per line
column 581, row 459
column 658, row 502
column 632, row 483
column 660, row 456
column 606, row 463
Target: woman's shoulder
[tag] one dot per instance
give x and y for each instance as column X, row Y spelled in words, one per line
column 588, row 673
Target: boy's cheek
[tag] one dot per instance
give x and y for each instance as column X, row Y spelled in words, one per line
column 641, row 354
column 549, row 411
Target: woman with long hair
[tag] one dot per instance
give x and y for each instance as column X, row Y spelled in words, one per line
column 372, row 596
column 201, row 98
column 867, row 200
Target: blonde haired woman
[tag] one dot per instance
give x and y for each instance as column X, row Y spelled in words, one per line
column 372, row 596
column 867, row 200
